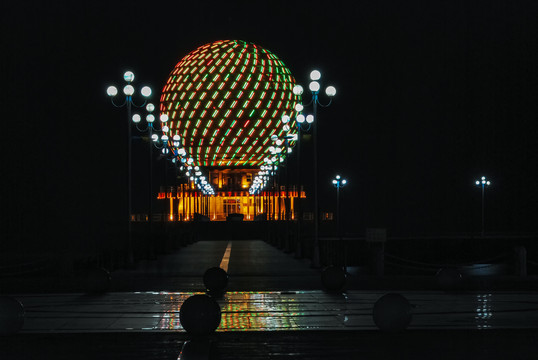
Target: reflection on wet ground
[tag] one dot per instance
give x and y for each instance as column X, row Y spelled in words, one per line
column 274, row 311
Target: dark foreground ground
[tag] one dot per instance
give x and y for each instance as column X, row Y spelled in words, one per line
column 413, row 344
column 256, row 266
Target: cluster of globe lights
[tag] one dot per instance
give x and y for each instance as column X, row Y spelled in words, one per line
column 170, row 148
column 278, row 154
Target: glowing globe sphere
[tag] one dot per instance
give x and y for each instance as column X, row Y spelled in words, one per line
column 226, row 99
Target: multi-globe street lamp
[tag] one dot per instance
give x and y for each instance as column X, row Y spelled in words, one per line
column 314, row 87
column 128, row 91
column 161, row 143
column 338, row 182
column 483, row 182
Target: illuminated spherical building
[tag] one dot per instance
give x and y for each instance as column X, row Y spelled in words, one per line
column 230, row 104
column 226, row 99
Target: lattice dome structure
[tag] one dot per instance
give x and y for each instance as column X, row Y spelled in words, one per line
column 226, row 100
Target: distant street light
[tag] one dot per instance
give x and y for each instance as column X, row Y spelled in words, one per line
column 315, row 87
column 338, row 182
column 483, row 182
column 128, row 91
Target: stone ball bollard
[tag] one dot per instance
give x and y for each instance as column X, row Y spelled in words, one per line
column 392, row 312
column 215, row 280
column 449, row 279
column 11, row 315
column 200, row 315
column 333, row 278
column 97, row 281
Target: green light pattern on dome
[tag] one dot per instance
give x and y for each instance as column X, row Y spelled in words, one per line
column 226, row 99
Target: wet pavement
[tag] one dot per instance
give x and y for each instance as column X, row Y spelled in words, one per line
column 275, row 311
column 275, row 307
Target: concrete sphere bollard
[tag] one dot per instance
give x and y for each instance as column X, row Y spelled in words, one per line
column 333, row 278
column 97, row 281
column 215, row 280
column 200, row 315
column 11, row 315
column 449, row 279
column 392, row 312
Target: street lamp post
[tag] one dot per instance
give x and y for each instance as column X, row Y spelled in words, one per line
column 338, row 182
column 128, row 91
column 161, row 143
column 315, row 87
column 483, row 182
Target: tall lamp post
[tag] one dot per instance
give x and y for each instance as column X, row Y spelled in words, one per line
column 338, row 182
column 483, row 182
column 128, row 91
column 314, row 88
column 161, row 143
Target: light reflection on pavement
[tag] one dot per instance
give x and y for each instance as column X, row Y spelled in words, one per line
column 274, row 311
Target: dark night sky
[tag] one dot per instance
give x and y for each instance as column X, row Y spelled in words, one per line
column 431, row 95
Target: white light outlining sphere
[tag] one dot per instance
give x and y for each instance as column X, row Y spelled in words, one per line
column 128, row 90
column 314, row 86
column 150, row 118
column 477, row 182
column 165, row 129
column 310, row 119
column 299, row 107
column 154, row 137
column 128, row 76
column 300, row 118
column 112, row 91
column 285, row 119
column 274, row 137
column 136, row 118
column 330, row 91
column 337, row 177
column 298, row 90
column 286, row 127
column 164, row 138
column 335, row 182
column 164, row 117
column 344, row 182
column 315, row 75
column 146, row 91
column 150, row 107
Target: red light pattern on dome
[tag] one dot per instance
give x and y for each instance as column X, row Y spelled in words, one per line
column 226, row 99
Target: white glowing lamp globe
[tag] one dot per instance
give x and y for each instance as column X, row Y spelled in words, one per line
column 146, row 91
column 274, row 138
column 150, row 107
column 314, row 86
column 150, row 118
column 315, row 75
column 128, row 90
column 286, row 127
column 300, row 118
column 128, row 76
column 310, row 119
column 299, row 107
column 165, row 128
column 298, row 90
column 285, row 119
column 330, row 91
column 164, row 117
column 154, row 137
column 164, row 138
column 136, row 118
column 112, row 91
